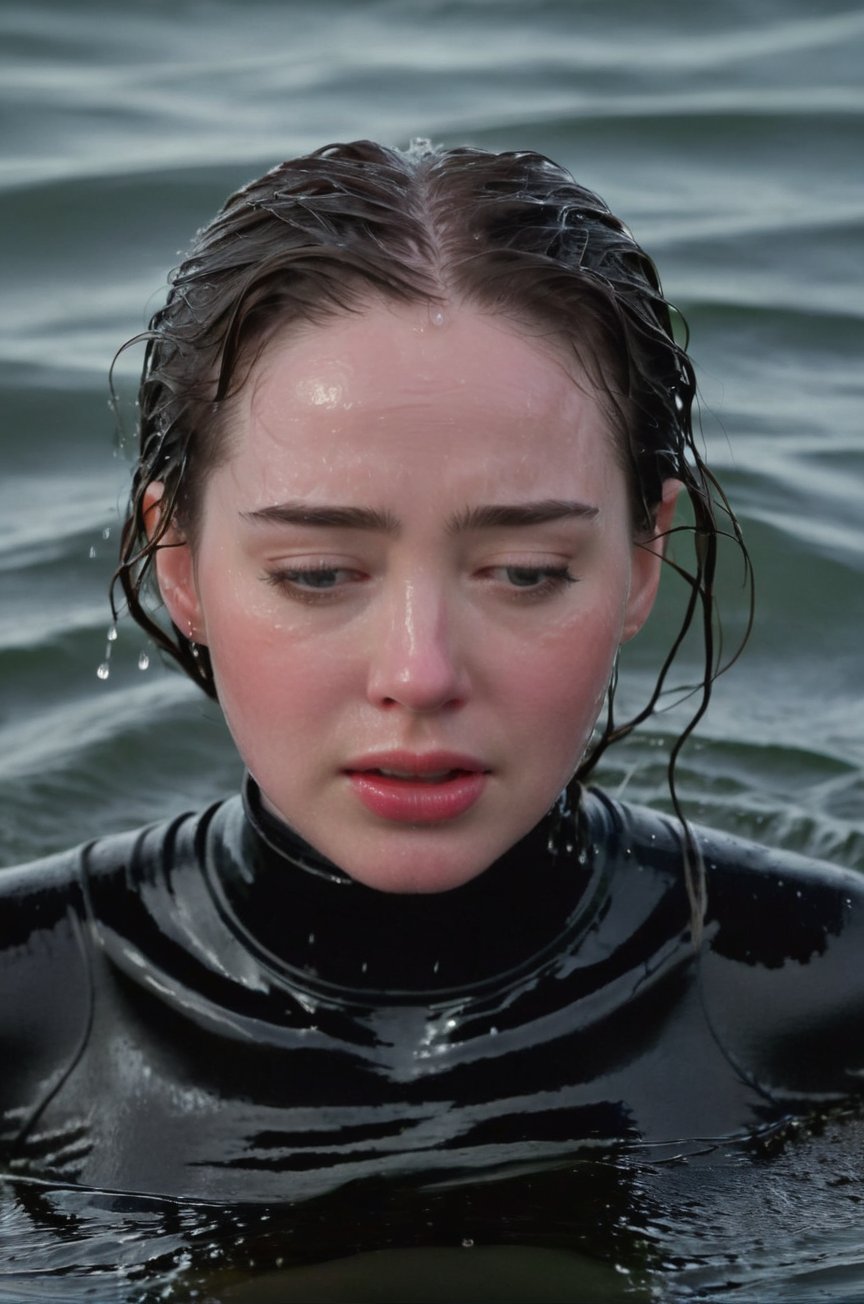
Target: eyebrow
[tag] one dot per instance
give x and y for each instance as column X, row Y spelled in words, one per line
column 340, row 518
column 486, row 517
column 509, row 515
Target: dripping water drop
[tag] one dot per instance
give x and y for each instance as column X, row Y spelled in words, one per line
column 143, row 661
column 103, row 671
column 92, row 553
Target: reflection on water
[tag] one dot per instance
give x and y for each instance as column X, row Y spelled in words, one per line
column 775, row 1221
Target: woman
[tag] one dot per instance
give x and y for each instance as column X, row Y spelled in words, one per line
column 413, row 427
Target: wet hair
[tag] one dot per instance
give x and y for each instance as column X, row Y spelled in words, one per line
column 512, row 233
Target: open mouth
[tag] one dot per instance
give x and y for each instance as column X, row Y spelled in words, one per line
column 406, row 776
column 423, row 795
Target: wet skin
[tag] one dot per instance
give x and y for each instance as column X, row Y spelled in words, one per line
column 412, row 678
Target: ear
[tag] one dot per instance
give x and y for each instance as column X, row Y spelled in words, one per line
column 175, row 568
column 647, row 562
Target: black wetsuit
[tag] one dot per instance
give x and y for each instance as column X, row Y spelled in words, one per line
column 208, row 1009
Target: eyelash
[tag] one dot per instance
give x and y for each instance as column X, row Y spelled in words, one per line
column 552, row 578
column 291, row 580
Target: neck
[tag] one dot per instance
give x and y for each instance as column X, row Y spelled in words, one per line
column 309, row 918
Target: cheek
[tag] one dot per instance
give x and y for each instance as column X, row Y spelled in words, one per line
column 273, row 680
column 560, row 681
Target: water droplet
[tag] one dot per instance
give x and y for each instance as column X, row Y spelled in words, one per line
column 311, row 939
column 437, row 316
column 143, row 661
column 436, row 966
column 112, row 634
column 92, row 553
column 106, row 533
column 364, row 966
column 467, row 1243
column 104, row 671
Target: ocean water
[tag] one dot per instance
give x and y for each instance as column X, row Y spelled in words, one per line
column 729, row 137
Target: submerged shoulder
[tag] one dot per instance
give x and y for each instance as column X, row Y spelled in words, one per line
column 781, row 964
column 782, row 970
column 37, row 892
column 773, row 906
column 751, row 887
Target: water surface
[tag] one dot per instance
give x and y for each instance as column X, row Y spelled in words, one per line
column 730, row 138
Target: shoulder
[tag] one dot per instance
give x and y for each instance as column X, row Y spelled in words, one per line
column 751, row 887
column 44, row 982
column 55, row 914
column 49, row 897
column 39, row 894
column 781, row 962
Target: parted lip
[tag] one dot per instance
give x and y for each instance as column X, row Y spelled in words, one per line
column 415, row 763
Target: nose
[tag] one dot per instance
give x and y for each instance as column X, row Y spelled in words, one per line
column 415, row 662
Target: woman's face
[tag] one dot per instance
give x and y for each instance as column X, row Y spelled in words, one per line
column 412, row 572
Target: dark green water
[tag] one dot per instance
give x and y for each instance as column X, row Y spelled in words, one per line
column 730, row 137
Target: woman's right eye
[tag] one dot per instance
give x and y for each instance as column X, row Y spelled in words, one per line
column 311, row 583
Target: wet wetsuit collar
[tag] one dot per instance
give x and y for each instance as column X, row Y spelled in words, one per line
column 308, row 918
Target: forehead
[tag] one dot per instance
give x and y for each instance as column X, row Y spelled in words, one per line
column 413, row 387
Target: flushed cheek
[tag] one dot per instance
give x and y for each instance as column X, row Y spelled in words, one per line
column 561, row 690
column 570, row 662
column 273, row 692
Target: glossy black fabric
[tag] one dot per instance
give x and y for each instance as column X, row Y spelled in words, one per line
column 208, row 1009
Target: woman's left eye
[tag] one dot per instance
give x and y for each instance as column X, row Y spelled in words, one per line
column 534, row 580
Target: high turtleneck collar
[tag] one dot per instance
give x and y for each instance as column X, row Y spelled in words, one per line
column 308, row 918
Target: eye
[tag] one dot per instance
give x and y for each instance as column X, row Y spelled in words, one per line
column 532, row 581
column 312, row 583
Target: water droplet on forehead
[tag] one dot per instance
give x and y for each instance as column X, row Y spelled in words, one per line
column 437, row 316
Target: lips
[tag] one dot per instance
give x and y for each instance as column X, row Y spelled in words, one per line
column 437, row 776
column 417, row 789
